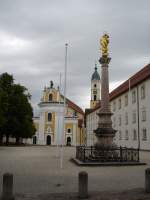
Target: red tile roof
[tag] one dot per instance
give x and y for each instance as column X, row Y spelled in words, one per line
column 74, row 106
column 137, row 78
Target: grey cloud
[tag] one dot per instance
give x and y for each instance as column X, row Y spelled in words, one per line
column 46, row 26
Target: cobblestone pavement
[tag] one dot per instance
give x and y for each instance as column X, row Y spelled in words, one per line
column 37, row 171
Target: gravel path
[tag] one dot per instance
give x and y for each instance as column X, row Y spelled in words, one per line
column 37, row 171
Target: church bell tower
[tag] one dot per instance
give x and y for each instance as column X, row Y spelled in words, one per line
column 95, row 88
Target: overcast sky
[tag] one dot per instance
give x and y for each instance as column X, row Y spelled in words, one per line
column 33, row 34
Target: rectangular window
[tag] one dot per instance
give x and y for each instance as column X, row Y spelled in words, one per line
column 133, row 96
column 126, row 100
column 120, row 135
column 119, row 120
column 126, row 135
column 114, row 122
column 143, row 115
column 134, row 117
column 75, row 114
column 126, row 118
column 143, row 92
column 114, row 106
column 144, row 134
column 134, row 134
column 119, row 103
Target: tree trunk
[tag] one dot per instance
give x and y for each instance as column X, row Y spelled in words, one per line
column 1, row 139
column 17, row 140
column 7, row 139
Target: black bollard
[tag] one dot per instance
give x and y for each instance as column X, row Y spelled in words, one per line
column 7, row 190
column 83, row 185
column 147, row 180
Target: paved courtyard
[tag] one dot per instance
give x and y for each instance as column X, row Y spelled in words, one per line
column 37, row 170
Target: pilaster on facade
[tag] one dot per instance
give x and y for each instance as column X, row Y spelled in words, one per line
column 41, row 139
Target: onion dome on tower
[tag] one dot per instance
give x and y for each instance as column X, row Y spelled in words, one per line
column 95, row 75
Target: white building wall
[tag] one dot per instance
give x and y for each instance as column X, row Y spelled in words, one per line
column 126, row 129
column 132, row 125
column 145, row 104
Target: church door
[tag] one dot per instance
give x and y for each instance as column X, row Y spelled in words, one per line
column 48, row 142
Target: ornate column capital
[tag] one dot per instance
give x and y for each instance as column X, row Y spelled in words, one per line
column 104, row 60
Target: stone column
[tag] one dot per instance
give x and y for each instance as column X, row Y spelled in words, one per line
column 104, row 132
column 104, row 61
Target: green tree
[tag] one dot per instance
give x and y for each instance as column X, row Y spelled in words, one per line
column 22, row 113
column 18, row 112
column 6, row 82
column 2, row 119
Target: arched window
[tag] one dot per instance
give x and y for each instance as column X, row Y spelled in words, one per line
column 50, row 97
column 49, row 117
column 68, row 141
column 48, row 140
column 95, row 85
column 94, row 97
column 69, row 130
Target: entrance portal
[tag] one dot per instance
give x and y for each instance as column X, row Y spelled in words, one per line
column 48, row 140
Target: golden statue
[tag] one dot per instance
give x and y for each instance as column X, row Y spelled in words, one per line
column 104, row 41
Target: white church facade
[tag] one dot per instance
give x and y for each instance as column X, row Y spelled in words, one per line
column 52, row 128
